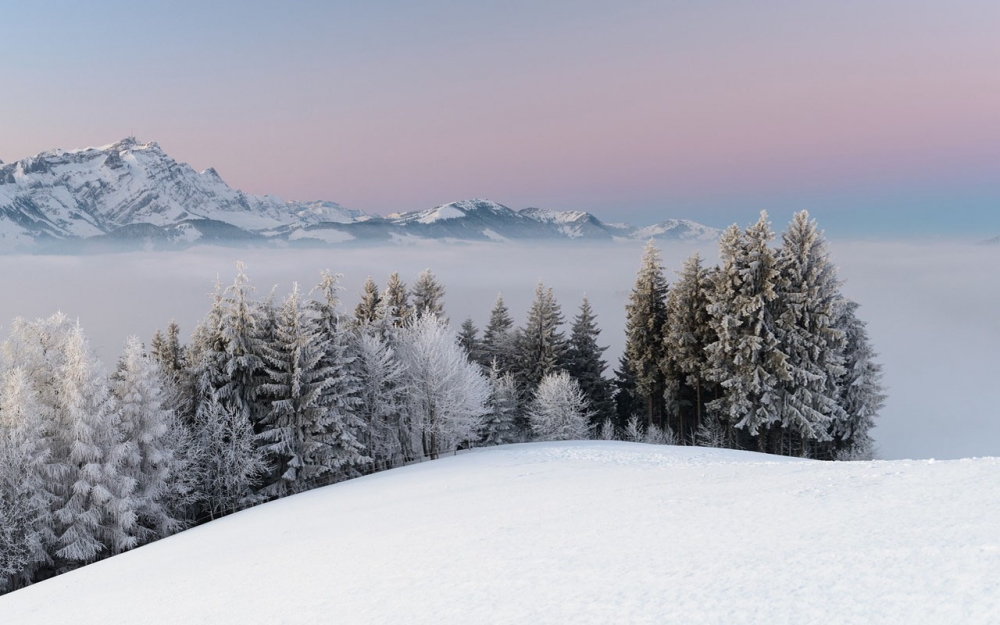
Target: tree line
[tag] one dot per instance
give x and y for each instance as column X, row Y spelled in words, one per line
column 270, row 398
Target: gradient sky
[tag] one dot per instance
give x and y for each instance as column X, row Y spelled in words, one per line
column 880, row 117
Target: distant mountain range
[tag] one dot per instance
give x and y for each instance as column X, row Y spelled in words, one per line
column 130, row 194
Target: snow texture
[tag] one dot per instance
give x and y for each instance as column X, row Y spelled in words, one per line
column 577, row 532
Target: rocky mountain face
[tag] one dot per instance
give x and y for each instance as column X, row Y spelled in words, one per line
column 131, row 193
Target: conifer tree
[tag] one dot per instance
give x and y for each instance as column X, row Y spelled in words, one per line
column 498, row 338
column 585, row 364
column 808, row 303
column 861, row 394
column 26, row 475
column 395, row 302
column 387, row 435
column 146, row 425
column 559, row 410
column 541, row 346
column 628, row 402
column 645, row 316
column 428, row 296
column 369, row 308
column 686, row 334
column 299, row 434
column 244, row 327
column 746, row 359
column 500, row 423
column 331, row 326
column 468, row 338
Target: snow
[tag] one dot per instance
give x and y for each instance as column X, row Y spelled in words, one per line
column 326, row 235
column 439, row 213
column 582, row 532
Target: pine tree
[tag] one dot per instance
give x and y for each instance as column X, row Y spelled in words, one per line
column 584, row 362
column 395, row 302
column 559, row 410
column 746, row 359
column 861, row 394
column 468, row 338
column 447, row 394
column 428, row 296
column 686, row 334
column 808, row 303
column 646, row 315
column 498, row 338
column 541, row 346
column 146, row 426
column 369, row 308
column 500, row 423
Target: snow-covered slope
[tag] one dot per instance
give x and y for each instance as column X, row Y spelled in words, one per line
column 573, row 224
column 588, row 532
column 681, row 229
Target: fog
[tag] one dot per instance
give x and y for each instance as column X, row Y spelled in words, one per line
column 931, row 308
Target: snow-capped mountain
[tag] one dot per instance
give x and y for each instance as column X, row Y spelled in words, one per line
column 129, row 192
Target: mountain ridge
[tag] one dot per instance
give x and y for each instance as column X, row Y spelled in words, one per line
column 133, row 193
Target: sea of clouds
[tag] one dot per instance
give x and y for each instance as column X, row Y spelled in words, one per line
column 932, row 307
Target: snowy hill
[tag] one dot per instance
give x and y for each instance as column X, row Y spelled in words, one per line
column 131, row 193
column 589, row 532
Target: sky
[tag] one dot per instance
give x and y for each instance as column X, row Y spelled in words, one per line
column 882, row 117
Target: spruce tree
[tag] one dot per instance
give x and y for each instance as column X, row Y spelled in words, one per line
column 746, row 359
column 645, row 316
column 369, row 308
column 244, row 328
column 686, row 334
column 498, row 338
column 628, row 402
column 428, row 296
column 808, row 303
column 395, row 302
column 861, row 394
column 146, row 426
column 500, row 423
column 541, row 346
column 468, row 338
column 585, row 363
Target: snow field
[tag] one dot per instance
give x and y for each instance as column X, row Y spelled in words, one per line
column 582, row 532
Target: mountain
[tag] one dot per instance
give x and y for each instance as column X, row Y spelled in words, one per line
column 133, row 194
column 573, row 532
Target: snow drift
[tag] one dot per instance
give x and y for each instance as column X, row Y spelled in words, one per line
column 588, row 532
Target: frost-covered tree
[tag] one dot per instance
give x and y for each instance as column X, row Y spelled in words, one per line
column 231, row 460
column 369, row 308
column 499, row 338
column 686, row 334
column 541, row 345
column 447, row 394
column 428, row 296
column 387, row 435
column 500, row 422
column 468, row 338
column 332, row 327
column 585, row 364
column 26, row 475
column 395, row 302
column 244, row 331
column 746, row 359
column 808, row 304
column 861, row 394
column 645, row 315
column 301, row 438
column 147, row 425
column 559, row 411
